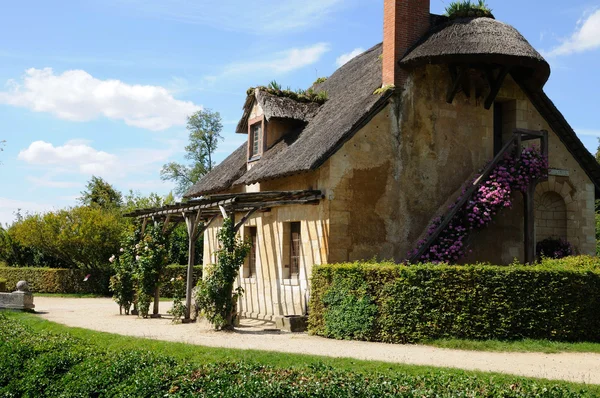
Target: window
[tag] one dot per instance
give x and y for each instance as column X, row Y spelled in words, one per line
column 295, row 243
column 256, row 132
column 251, row 271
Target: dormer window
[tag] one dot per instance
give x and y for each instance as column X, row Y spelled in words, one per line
column 256, row 140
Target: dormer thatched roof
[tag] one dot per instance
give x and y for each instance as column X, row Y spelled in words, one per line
column 479, row 41
column 276, row 106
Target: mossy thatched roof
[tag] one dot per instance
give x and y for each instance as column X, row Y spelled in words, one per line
column 479, row 41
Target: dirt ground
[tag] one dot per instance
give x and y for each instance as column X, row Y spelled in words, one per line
column 103, row 315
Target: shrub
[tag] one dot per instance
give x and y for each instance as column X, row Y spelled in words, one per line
column 554, row 248
column 80, row 237
column 555, row 300
column 52, row 365
column 177, row 271
column 2, row 285
column 466, row 9
column 58, row 280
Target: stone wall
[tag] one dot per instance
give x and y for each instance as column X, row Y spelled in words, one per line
column 386, row 183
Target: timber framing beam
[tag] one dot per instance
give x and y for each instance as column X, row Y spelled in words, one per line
column 495, row 84
column 457, row 74
column 245, row 218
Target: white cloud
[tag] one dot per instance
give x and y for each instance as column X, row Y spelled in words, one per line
column 279, row 63
column 73, row 154
column 344, row 58
column 78, row 157
column 586, row 36
column 257, row 17
column 78, row 96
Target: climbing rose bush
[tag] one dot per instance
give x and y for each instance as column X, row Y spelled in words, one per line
column 512, row 174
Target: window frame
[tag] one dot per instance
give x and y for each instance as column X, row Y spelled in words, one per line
column 253, row 253
column 295, row 249
column 258, row 122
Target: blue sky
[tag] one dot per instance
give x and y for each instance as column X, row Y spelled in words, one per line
column 92, row 87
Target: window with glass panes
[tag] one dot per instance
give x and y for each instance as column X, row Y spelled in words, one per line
column 253, row 253
column 256, row 131
column 295, row 242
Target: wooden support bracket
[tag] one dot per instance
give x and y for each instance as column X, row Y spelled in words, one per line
column 245, row 218
column 495, row 84
column 457, row 74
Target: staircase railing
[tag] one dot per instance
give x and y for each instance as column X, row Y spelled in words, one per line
column 518, row 137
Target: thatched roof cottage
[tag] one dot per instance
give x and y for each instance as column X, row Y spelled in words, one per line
column 404, row 126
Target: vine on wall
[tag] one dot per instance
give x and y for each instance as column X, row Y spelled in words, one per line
column 512, row 174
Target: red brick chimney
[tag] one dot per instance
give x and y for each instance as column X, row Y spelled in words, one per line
column 404, row 22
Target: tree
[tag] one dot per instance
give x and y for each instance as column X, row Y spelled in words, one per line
column 99, row 193
column 81, row 237
column 205, row 132
column 598, row 152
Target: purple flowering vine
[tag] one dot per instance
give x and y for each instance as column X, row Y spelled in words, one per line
column 511, row 174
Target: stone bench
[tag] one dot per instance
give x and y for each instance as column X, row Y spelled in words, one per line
column 21, row 299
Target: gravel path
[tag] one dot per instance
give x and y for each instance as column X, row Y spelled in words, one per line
column 102, row 315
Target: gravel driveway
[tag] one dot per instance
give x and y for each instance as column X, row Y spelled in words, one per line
column 103, row 315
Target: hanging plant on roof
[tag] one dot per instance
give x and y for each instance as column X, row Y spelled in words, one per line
column 496, row 193
column 468, row 9
column 300, row 95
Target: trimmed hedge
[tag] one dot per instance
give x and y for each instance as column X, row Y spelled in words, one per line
column 557, row 300
column 2, row 285
column 52, row 365
column 174, row 271
column 57, row 280
column 70, row 281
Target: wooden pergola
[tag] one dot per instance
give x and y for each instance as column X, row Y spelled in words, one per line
column 199, row 214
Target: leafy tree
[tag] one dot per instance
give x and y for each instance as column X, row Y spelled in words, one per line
column 80, row 237
column 205, row 132
column 100, row 193
column 136, row 201
column 216, row 297
column 598, row 152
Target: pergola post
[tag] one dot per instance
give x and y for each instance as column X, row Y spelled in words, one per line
column 191, row 223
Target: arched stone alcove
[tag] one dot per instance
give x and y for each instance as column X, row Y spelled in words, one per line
column 551, row 216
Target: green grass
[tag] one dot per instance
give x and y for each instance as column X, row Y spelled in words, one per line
column 201, row 355
column 527, row 345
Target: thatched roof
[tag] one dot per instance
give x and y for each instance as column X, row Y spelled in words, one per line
column 276, row 106
column 223, row 175
column 477, row 41
column 564, row 131
column 350, row 105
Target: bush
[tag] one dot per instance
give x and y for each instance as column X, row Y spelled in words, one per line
column 173, row 272
column 557, row 300
column 51, row 365
column 554, row 248
column 79, row 237
column 57, row 280
column 2, row 285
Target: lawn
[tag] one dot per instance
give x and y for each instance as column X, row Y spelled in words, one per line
column 527, row 345
column 488, row 384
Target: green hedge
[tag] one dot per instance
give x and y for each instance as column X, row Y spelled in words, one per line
column 2, row 285
column 57, row 280
column 34, row 364
column 174, row 271
column 71, row 281
column 557, row 300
